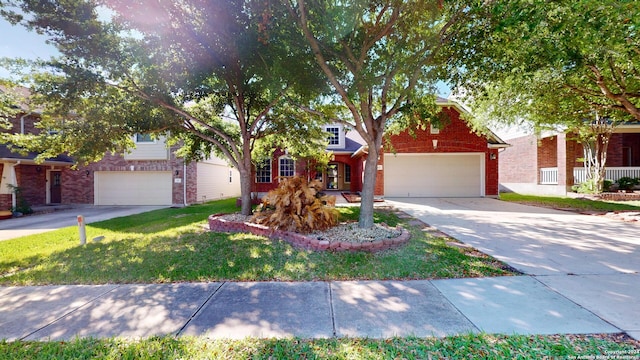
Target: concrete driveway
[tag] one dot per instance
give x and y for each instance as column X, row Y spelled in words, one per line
column 591, row 260
column 39, row 223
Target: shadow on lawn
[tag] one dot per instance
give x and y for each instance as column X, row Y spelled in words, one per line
column 208, row 256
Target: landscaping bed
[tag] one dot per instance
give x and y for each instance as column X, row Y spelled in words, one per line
column 344, row 237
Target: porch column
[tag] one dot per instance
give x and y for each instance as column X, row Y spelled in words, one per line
column 565, row 156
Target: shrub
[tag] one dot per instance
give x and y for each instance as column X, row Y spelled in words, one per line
column 627, row 183
column 586, row 187
column 22, row 205
column 297, row 205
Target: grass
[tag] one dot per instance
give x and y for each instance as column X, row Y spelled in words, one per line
column 171, row 245
column 477, row 346
column 577, row 204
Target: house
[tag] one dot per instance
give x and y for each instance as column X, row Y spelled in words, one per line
column 451, row 161
column 551, row 164
column 150, row 174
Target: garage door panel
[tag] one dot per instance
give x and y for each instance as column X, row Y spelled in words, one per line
column 421, row 175
column 133, row 188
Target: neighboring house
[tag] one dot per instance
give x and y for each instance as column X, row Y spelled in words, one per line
column 449, row 162
column 149, row 175
column 551, row 165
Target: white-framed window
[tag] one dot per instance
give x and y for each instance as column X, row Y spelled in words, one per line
column 434, row 129
column 263, row 172
column 286, row 167
column 230, row 176
column 334, row 137
column 143, row 139
column 347, row 173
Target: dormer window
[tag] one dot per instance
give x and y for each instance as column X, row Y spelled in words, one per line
column 336, row 136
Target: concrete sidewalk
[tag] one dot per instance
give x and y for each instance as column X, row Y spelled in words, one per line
column 375, row 309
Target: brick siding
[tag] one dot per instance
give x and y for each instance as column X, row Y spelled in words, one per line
column 455, row 136
column 77, row 185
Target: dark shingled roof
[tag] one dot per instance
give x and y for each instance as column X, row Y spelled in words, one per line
column 350, row 146
column 6, row 153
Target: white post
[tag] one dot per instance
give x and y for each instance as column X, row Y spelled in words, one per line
column 83, row 231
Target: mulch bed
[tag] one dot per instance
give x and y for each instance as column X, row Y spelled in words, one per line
column 218, row 223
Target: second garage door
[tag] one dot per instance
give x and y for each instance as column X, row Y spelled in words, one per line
column 434, row 175
column 133, row 188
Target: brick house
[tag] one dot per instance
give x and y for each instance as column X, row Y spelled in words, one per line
column 449, row 162
column 551, row 164
column 150, row 174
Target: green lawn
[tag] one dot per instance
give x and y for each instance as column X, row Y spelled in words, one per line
column 172, row 245
column 578, row 204
column 481, row 346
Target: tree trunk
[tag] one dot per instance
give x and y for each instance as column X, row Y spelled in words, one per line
column 245, row 191
column 368, row 188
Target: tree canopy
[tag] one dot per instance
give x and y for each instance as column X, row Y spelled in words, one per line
column 550, row 62
column 382, row 60
column 568, row 65
column 220, row 75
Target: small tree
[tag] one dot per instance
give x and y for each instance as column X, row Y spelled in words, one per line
column 594, row 138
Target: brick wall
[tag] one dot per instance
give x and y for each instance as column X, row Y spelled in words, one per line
column 614, row 153
column 304, row 168
column 518, row 163
column 33, row 182
column 455, row 136
column 77, row 185
column 379, row 188
column 6, row 201
column 548, row 152
column 192, row 185
column 29, row 124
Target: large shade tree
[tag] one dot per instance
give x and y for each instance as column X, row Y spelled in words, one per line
column 383, row 62
column 573, row 65
column 218, row 75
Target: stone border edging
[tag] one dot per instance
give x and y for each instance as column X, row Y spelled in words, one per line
column 303, row 241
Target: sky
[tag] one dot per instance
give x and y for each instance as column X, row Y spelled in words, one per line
column 16, row 41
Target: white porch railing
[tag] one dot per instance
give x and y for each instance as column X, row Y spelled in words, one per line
column 611, row 173
column 549, row 176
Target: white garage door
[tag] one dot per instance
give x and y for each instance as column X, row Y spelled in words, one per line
column 133, row 187
column 434, row 175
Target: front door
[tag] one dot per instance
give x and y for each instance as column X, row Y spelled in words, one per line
column 55, row 187
column 336, row 176
column 332, row 177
